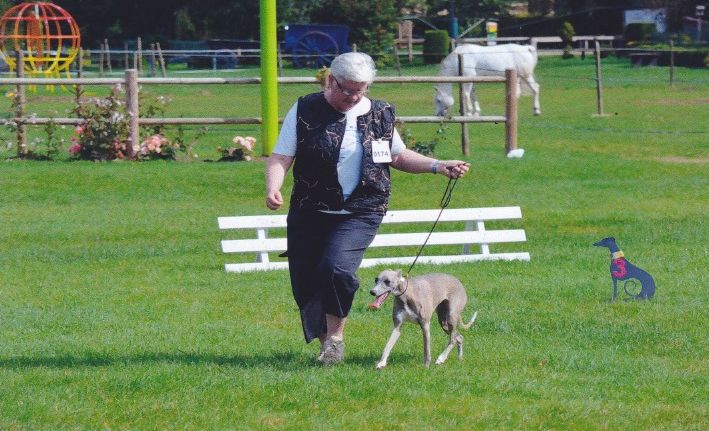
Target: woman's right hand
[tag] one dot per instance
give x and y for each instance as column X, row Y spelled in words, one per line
column 274, row 200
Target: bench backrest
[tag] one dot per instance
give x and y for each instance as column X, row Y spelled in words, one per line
column 474, row 232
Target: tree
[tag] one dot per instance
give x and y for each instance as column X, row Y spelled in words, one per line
column 372, row 23
column 567, row 34
column 184, row 27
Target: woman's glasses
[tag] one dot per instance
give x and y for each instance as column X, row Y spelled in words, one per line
column 348, row 92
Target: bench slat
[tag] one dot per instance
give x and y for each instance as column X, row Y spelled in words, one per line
column 397, row 216
column 453, row 214
column 370, row 262
column 388, row 240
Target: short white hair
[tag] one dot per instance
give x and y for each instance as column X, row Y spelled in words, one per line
column 353, row 66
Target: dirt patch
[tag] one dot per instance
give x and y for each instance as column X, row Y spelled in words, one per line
column 683, row 160
column 683, row 102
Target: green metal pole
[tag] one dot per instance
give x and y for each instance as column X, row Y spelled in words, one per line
column 269, row 76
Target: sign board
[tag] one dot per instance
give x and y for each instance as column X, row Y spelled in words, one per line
column 491, row 28
column 647, row 16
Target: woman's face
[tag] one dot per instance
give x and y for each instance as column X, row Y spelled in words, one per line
column 343, row 95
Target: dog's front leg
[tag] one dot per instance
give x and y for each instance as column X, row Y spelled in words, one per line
column 615, row 289
column 426, row 328
column 390, row 345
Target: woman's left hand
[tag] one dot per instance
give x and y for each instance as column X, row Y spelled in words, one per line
column 453, row 168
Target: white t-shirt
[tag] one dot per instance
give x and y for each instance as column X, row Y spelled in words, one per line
column 349, row 165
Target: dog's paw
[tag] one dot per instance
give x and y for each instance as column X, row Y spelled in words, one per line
column 439, row 361
column 381, row 365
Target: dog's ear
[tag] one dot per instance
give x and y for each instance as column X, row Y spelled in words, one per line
column 400, row 277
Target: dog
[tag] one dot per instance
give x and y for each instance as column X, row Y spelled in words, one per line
column 416, row 300
column 621, row 269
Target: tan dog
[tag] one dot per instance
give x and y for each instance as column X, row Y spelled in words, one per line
column 416, row 300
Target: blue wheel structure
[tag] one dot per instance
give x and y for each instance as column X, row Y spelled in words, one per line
column 314, row 49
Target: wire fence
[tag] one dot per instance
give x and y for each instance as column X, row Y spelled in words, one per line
column 241, row 103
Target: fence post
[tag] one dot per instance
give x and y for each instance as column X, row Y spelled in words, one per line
column 132, row 109
column 280, row 60
column 464, row 139
column 152, row 59
column 20, row 109
column 80, row 74
column 126, row 59
column 100, row 60
column 161, row 60
column 510, row 110
column 672, row 63
column 80, row 68
column 139, row 47
column 108, row 56
column 599, row 88
column 396, row 59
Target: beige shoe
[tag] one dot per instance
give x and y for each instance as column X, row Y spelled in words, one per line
column 332, row 351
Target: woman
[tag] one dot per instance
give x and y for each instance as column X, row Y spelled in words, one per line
column 343, row 144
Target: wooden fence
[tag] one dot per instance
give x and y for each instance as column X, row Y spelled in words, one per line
column 131, row 81
column 412, row 47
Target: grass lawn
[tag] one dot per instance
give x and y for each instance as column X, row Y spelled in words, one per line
column 116, row 313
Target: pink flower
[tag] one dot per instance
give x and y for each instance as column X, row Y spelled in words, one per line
column 249, row 143
column 153, row 144
column 75, row 149
column 246, row 143
column 79, row 130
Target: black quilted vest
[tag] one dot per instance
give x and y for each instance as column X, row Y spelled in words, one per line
column 320, row 129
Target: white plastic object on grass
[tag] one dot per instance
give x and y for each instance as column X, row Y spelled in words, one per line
column 516, row 153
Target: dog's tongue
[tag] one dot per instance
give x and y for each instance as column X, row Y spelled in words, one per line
column 379, row 301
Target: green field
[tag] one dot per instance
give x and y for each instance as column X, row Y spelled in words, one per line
column 116, row 313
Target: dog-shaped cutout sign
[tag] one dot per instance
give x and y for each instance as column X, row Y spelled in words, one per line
column 622, row 270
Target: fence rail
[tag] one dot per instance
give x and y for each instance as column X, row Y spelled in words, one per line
column 132, row 81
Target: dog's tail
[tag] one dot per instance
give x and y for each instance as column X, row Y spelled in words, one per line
column 469, row 324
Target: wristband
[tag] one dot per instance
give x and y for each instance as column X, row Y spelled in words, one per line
column 434, row 167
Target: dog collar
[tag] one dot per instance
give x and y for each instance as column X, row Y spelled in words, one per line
column 405, row 288
column 617, row 255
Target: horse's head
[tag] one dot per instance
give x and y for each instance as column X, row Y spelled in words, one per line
column 443, row 101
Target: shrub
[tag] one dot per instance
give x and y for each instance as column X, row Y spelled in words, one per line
column 426, row 148
column 104, row 130
column 241, row 149
column 638, row 33
column 436, row 44
column 157, row 147
column 685, row 58
column 567, row 34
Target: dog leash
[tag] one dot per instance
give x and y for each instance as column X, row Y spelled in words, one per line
column 445, row 200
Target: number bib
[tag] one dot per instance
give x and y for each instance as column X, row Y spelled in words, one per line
column 380, row 151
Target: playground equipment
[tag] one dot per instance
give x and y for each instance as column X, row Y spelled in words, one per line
column 46, row 34
column 315, row 45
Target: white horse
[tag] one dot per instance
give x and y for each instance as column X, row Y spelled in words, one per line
column 486, row 61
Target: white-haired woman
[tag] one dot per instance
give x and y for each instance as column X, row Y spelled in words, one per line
column 342, row 143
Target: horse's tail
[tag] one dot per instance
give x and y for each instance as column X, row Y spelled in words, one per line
column 533, row 51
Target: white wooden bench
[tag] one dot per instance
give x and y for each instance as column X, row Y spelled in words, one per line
column 474, row 232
